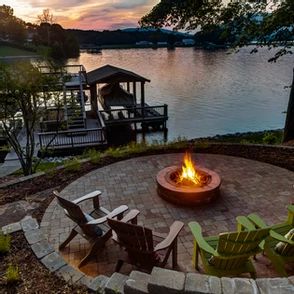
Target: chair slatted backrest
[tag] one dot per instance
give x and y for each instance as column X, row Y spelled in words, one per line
column 72, row 210
column 236, row 247
column 288, row 250
column 137, row 240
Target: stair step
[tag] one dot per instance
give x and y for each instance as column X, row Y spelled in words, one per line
column 76, row 126
column 76, row 119
column 137, row 283
column 115, row 284
column 74, row 123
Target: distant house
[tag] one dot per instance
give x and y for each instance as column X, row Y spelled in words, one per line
column 144, row 43
column 30, row 37
column 188, row 42
column 162, row 44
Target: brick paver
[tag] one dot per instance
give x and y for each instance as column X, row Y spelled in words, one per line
column 247, row 186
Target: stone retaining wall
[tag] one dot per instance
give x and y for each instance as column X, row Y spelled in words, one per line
column 282, row 156
column 160, row 281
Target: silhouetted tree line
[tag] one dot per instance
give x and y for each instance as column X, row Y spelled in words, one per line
column 125, row 37
column 11, row 27
column 62, row 44
column 13, row 30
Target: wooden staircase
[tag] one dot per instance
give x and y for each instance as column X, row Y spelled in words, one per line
column 75, row 118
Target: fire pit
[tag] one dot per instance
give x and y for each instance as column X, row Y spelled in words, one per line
column 186, row 185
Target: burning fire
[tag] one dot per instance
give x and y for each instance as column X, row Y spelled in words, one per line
column 189, row 173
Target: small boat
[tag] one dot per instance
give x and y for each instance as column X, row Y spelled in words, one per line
column 94, row 51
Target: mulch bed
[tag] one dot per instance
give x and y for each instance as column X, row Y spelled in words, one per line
column 55, row 180
column 8, row 178
column 61, row 178
column 34, row 277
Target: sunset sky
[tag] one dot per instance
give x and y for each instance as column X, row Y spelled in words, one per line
column 88, row 14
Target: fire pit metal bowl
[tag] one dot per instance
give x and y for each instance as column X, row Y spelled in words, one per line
column 186, row 194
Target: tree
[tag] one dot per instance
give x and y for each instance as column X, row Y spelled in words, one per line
column 22, row 103
column 264, row 22
column 46, row 17
column 11, row 27
column 60, row 42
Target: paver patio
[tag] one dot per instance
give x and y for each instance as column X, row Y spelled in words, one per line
column 247, row 186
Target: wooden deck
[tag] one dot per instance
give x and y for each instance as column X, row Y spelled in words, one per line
column 154, row 116
column 93, row 135
column 73, row 138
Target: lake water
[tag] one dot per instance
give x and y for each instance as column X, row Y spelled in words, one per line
column 208, row 93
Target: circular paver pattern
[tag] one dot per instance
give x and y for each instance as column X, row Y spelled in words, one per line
column 247, row 186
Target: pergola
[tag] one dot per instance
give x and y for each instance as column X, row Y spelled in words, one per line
column 109, row 74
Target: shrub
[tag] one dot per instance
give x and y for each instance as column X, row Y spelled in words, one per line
column 271, row 138
column 93, row 155
column 114, row 152
column 72, row 165
column 12, row 274
column 4, row 243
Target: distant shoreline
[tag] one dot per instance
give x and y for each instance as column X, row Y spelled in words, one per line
column 133, row 46
column 19, row 57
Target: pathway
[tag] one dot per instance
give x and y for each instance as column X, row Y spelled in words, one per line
column 11, row 163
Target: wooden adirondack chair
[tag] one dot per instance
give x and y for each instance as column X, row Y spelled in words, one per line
column 92, row 226
column 141, row 247
column 227, row 254
column 277, row 234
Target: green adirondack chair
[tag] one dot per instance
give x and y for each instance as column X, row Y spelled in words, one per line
column 229, row 253
column 277, row 235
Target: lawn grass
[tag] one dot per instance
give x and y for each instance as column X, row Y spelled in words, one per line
column 11, row 51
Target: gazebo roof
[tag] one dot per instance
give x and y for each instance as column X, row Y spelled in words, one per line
column 111, row 74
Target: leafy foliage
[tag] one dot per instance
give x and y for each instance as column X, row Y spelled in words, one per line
column 4, row 243
column 12, row 274
column 93, row 155
column 11, row 27
column 254, row 21
column 61, row 43
column 72, row 165
column 24, row 91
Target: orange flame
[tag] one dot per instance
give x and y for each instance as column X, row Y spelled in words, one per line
column 189, row 172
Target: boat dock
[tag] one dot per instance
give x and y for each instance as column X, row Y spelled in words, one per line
column 96, row 102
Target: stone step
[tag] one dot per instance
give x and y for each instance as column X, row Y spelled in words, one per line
column 199, row 283
column 137, row 283
column 115, row 284
column 97, row 285
column 166, row 281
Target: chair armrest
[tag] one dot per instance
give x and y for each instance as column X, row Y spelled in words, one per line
column 131, row 216
column 117, row 211
column 244, row 223
column 280, row 237
column 197, row 234
column 174, row 231
column 87, row 196
column 257, row 221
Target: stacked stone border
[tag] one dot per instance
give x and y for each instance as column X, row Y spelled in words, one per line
column 160, row 281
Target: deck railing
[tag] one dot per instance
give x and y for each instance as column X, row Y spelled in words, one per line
column 135, row 114
column 73, row 138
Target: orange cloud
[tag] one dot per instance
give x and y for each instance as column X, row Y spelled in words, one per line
column 88, row 14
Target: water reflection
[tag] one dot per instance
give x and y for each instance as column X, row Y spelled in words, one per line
column 208, row 93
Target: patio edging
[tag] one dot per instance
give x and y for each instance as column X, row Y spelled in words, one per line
column 160, row 280
column 249, row 151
